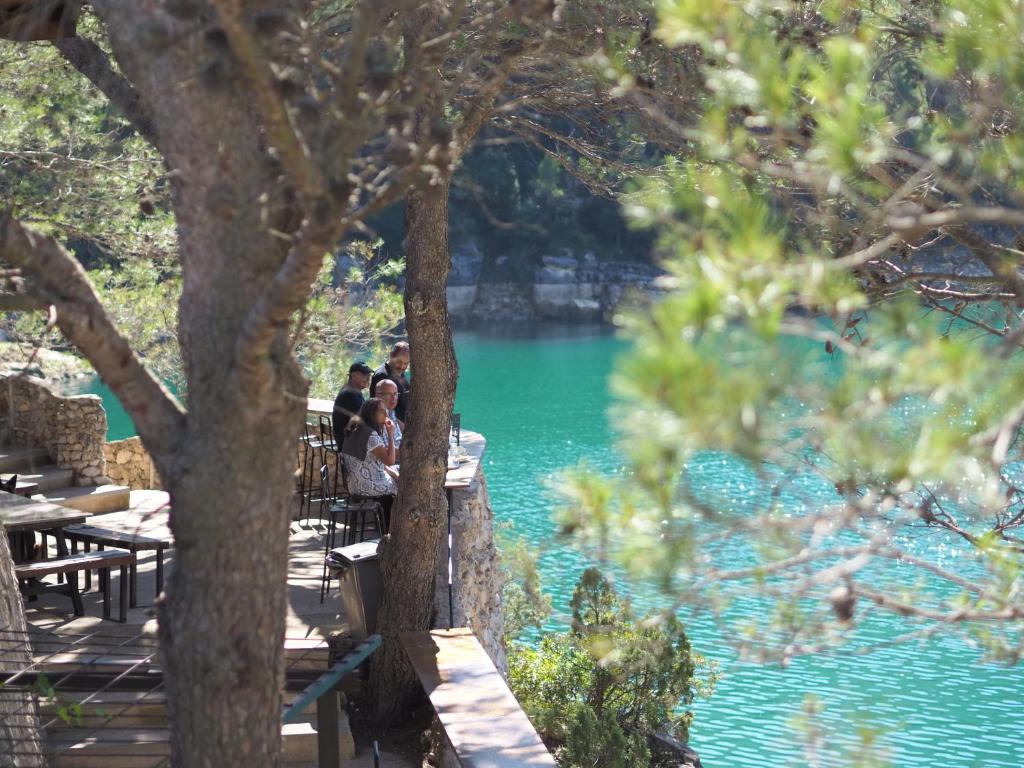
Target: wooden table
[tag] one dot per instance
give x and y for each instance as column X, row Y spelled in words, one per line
column 461, row 477
column 21, row 517
column 320, row 407
column 19, row 514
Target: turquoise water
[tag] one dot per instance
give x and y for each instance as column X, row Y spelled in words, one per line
column 542, row 403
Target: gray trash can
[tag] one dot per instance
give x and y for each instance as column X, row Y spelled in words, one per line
column 359, row 583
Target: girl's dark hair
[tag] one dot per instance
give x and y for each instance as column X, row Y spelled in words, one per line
column 366, row 414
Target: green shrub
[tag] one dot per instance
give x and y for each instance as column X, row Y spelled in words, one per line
column 596, row 692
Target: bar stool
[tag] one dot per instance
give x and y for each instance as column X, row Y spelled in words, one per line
column 312, row 459
column 356, row 513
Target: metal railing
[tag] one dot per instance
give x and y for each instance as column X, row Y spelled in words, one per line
column 323, row 692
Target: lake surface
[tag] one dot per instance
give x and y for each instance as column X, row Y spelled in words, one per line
column 541, row 403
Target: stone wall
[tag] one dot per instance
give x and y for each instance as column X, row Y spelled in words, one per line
column 72, row 429
column 560, row 289
column 128, row 463
column 476, row 572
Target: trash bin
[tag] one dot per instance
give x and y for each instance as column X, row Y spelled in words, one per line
column 359, row 583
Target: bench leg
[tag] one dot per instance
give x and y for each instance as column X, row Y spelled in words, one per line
column 122, row 613
column 105, row 586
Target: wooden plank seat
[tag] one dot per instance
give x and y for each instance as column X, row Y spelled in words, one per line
column 28, row 575
column 133, row 542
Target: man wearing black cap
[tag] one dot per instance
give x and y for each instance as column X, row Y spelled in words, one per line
column 350, row 398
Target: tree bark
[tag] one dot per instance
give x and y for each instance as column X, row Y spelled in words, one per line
column 222, row 619
column 419, row 519
column 20, row 745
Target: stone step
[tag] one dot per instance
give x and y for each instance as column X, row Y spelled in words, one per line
column 307, row 653
column 147, row 502
column 108, row 747
column 150, row 747
column 298, row 742
column 94, row 499
column 22, row 459
column 109, row 709
column 45, row 478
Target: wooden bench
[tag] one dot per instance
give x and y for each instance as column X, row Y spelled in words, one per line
column 484, row 723
column 69, row 566
column 105, row 537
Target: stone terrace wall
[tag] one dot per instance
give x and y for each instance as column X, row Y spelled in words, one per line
column 72, row 429
column 128, row 463
column 476, row 572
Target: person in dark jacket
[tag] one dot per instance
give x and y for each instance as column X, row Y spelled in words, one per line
column 394, row 369
column 350, row 399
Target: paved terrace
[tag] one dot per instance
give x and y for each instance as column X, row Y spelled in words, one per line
column 147, row 516
column 137, row 736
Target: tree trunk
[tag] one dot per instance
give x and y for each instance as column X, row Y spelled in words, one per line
column 222, row 619
column 221, row 622
column 20, row 745
column 419, row 519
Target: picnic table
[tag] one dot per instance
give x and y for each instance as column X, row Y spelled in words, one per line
column 21, row 516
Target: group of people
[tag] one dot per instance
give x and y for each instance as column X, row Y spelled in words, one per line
column 368, row 431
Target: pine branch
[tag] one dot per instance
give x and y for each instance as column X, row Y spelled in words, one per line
column 93, row 62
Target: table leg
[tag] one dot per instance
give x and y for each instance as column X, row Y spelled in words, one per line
column 87, row 548
column 72, row 577
column 133, row 579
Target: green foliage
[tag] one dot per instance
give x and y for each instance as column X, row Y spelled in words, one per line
column 792, row 229
column 72, row 167
column 350, row 315
column 69, row 712
column 76, row 170
column 598, row 691
column 514, row 201
column 523, row 604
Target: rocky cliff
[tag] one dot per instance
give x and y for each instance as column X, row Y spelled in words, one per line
column 565, row 288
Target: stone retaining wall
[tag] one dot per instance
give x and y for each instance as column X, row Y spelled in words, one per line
column 476, row 572
column 128, row 463
column 72, row 429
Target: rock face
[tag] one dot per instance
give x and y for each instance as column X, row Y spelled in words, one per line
column 72, row 429
column 563, row 289
column 128, row 463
